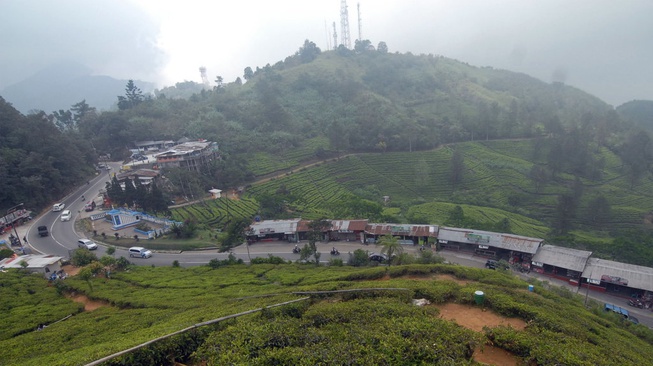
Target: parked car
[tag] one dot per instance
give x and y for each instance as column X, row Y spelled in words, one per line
column 43, row 230
column 85, row 243
column 66, row 215
column 139, row 252
column 58, row 207
column 491, row 264
column 378, row 257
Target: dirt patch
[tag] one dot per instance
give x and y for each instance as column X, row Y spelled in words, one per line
column 89, row 305
column 491, row 355
column 448, row 277
column 70, row 270
column 476, row 318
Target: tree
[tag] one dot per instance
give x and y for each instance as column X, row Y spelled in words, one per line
column 457, row 167
column 390, row 247
column 316, row 229
column 539, row 175
column 219, row 83
column 85, row 274
column 133, row 96
column 361, row 46
column 248, row 73
column 636, row 155
column 82, row 257
column 599, row 211
column 358, row 259
column 81, row 111
column 382, row 48
column 456, row 217
column 565, row 212
column 308, row 52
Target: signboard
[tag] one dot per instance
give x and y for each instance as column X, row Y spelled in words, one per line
column 593, row 281
column 615, row 280
column 483, row 247
column 442, row 241
column 478, row 238
column 266, row 231
column 400, row 229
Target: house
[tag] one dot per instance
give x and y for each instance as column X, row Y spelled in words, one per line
column 408, row 234
column 274, row 230
column 615, row 277
column 43, row 264
column 562, row 263
column 348, row 230
column 516, row 249
column 191, row 155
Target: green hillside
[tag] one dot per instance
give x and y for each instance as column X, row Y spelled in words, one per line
column 372, row 326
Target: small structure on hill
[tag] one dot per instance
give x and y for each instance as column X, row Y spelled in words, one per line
column 36, row 263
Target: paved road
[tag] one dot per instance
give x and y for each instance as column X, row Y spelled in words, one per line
column 64, row 237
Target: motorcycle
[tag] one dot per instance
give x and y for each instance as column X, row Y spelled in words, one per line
column 636, row 303
column 335, row 251
column 296, row 250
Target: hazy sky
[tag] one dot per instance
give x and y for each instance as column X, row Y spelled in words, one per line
column 604, row 47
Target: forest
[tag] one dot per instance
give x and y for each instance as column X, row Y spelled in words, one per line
column 434, row 132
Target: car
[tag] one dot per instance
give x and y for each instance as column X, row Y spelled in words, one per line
column 492, row 264
column 139, row 252
column 43, row 230
column 377, row 257
column 85, row 243
column 66, row 215
column 58, row 207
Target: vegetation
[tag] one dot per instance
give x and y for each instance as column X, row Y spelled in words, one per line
column 361, row 327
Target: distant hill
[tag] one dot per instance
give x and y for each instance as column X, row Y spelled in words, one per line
column 63, row 84
column 639, row 112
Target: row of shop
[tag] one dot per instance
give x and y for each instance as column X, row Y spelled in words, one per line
column 571, row 265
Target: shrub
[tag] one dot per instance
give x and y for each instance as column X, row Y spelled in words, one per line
column 82, row 257
column 336, row 262
column 359, row 258
column 271, row 259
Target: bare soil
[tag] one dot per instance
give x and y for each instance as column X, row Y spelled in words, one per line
column 475, row 319
column 89, row 305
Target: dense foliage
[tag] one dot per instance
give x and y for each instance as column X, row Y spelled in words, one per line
column 362, row 327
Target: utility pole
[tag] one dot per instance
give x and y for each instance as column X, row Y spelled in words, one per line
column 13, row 223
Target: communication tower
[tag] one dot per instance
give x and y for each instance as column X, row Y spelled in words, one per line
column 335, row 37
column 205, row 79
column 344, row 24
column 360, row 22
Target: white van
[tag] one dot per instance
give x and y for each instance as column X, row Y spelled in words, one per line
column 58, row 207
column 139, row 252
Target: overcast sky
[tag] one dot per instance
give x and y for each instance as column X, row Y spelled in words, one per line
column 604, row 47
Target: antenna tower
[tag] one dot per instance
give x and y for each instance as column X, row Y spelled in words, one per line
column 344, row 24
column 335, row 37
column 205, row 79
column 360, row 23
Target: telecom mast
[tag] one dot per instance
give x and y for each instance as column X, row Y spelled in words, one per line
column 205, row 79
column 344, row 24
column 360, row 23
column 335, row 37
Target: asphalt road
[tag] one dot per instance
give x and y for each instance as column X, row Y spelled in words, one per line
column 63, row 240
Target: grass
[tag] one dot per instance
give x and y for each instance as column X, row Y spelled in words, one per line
column 143, row 303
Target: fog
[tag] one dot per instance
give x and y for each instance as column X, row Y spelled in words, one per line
column 601, row 46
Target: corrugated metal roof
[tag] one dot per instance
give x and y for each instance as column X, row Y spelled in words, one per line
column 33, row 261
column 402, row 229
column 630, row 275
column 275, row 226
column 348, row 225
column 567, row 258
column 517, row 243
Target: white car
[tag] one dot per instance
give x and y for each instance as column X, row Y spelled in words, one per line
column 66, row 215
column 58, row 207
column 139, row 252
column 85, row 243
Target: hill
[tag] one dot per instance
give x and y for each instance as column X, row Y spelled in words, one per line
column 365, row 325
column 62, row 84
column 639, row 112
